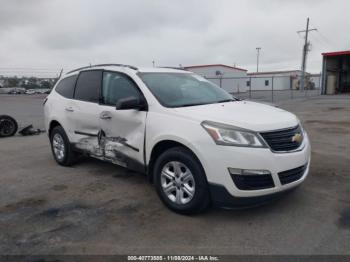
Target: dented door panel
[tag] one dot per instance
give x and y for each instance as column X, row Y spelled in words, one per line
column 119, row 138
column 120, row 134
column 123, row 136
column 84, row 119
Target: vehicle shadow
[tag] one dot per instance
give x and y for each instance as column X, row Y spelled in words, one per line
column 284, row 202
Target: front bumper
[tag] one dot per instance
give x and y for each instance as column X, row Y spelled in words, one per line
column 218, row 159
column 220, row 197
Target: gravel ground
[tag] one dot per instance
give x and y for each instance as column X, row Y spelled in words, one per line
column 98, row 208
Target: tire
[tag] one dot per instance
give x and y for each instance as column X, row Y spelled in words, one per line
column 61, row 148
column 175, row 192
column 8, row 126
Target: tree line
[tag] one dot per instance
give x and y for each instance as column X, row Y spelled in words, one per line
column 27, row 82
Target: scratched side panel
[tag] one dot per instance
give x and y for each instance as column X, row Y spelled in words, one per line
column 120, row 139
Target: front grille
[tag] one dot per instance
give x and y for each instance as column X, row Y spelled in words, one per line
column 291, row 175
column 252, row 182
column 282, row 140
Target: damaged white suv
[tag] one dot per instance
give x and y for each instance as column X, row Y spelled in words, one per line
column 195, row 142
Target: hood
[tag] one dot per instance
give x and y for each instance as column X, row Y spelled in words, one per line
column 245, row 114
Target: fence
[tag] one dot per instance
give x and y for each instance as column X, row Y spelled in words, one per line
column 269, row 88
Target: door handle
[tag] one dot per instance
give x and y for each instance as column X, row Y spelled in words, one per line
column 105, row 115
column 69, row 109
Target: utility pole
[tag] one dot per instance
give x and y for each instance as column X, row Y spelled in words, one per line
column 257, row 58
column 305, row 50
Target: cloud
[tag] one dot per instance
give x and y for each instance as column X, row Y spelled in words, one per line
column 89, row 23
column 61, row 33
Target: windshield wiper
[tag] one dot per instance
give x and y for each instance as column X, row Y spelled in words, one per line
column 216, row 102
column 193, row 104
column 226, row 100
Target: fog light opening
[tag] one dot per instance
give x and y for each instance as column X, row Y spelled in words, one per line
column 247, row 172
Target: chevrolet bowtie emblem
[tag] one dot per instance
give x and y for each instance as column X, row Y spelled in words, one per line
column 297, row 138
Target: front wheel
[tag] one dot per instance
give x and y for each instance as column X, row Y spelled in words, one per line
column 180, row 181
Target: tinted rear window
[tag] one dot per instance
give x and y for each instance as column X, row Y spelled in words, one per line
column 66, row 86
column 88, row 86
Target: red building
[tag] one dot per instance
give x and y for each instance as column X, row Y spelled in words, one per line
column 336, row 72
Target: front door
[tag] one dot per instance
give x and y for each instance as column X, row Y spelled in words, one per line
column 122, row 131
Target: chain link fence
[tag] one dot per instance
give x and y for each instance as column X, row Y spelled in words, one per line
column 269, row 88
column 264, row 88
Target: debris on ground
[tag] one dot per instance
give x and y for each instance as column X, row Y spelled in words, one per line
column 9, row 127
column 30, row 131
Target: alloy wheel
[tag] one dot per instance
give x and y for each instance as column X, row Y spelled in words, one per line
column 177, row 182
column 58, row 146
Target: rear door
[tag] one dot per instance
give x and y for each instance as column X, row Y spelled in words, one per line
column 84, row 111
column 123, row 133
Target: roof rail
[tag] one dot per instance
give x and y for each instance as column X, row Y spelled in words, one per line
column 90, row 66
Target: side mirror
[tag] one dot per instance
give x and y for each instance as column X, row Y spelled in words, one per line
column 130, row 103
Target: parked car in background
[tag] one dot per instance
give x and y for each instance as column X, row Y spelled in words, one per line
column 38, row 91
column 14, row 92
column 196, row 143
column 30, row 92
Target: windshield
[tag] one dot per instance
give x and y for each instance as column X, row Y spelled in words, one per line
column 183, row 89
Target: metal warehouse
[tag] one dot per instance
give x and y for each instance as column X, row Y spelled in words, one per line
column 223, row 76
column 336, row 72
column 238, row 80
column 283, row 80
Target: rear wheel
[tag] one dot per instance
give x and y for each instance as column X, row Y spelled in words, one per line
column 61, row 147
column 8, row 126
column 180, row 181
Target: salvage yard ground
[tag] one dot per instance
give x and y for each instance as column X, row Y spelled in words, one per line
column 98, row 208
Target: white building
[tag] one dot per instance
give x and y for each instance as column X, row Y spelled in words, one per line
column 281, row 80
column 316, row 79
column 237, row 80
column 230, row 78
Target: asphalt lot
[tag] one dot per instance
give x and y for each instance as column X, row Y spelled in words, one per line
column 98, row 208
column 27, row 109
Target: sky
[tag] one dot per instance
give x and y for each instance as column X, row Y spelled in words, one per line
column 43, row 36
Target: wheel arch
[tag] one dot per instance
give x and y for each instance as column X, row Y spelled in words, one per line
column 52, row 125
column 163, row 145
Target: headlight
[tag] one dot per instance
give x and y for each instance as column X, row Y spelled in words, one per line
column 301, row 127
column 232, row 136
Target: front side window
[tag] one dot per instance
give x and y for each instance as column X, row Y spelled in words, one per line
column 183, row 89
column 66, row 86
column 88, row 86
column 117, row 86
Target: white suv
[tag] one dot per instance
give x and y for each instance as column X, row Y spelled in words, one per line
column 195, row 142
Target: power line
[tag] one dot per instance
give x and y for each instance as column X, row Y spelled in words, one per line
column 321, row 43
column 327, row 40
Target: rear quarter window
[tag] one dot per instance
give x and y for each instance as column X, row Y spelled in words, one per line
column 66, row 86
